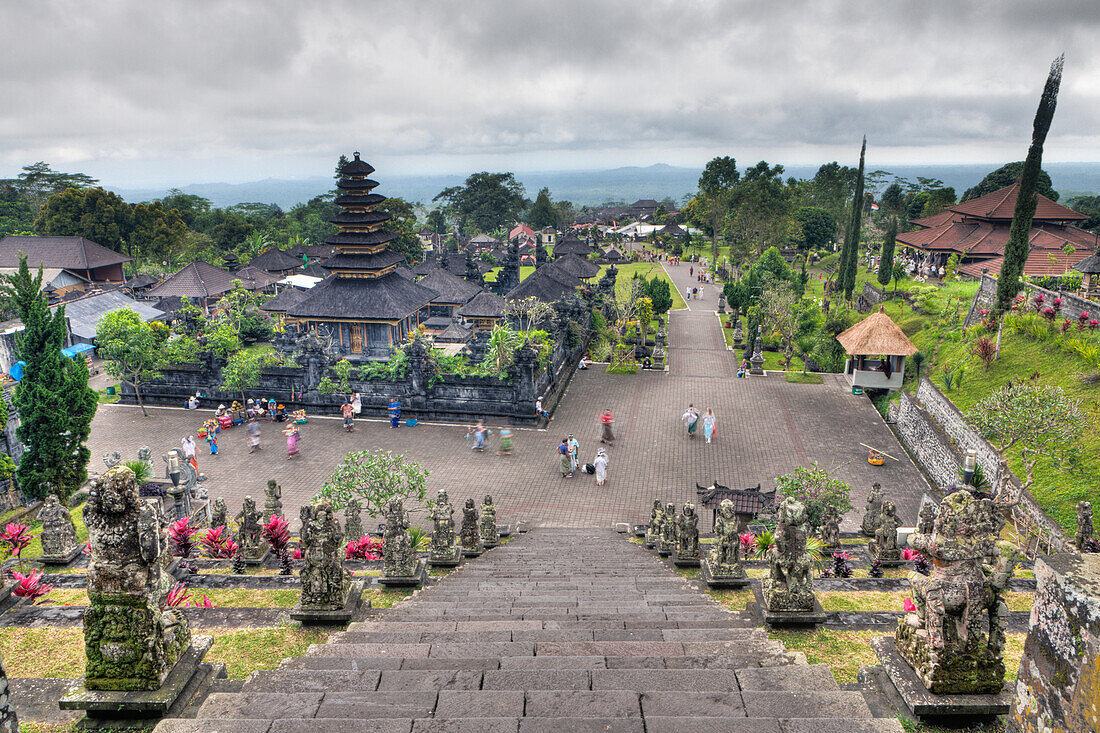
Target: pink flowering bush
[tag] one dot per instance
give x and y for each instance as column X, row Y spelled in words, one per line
column 748, row 543
column 1039, row 301
column 182, row 536
column 364, row 548
column 16, row 536
column 30, row 586
column 277, row 534
column 1065, row 325
column 218, row 545
column 908, row 606
column 1049, row 313
column 178, row 596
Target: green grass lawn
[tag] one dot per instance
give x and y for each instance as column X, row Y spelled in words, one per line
column 646, row 270
column 804, row 378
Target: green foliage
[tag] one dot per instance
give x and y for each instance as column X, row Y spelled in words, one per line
column 54, row 403
column 542, row 212
column 326, row 386
column 849, row 253
column 886, row 262
column 242, row 371
column 374, row 480
column 816, row 490
column 142, row 470
column 343, row 374
column 221, row 340
column 403, row 224
column 130, row 347
column 819, row 226
column 486, row 201
column 7, row 467
column 1006, row 175
column 1016, row 250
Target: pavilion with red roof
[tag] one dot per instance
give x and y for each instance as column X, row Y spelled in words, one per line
column 977, row 230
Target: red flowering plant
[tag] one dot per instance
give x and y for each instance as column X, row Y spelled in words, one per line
column 1039, row 301
column 204, row 602
column 182, row 536
column 178, row 596
column 1082, row 320
column 277, row 534
column 1018, row 302
column 908, row 606
column 364, row 548
column 16, row 536
column 1065, row 325
column 218, row 545
column 748, row 543
column 1049, row 313
column 30, row 586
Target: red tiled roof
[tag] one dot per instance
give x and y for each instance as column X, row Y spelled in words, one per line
column 1001, row 204
column 1046, row 256
column 935, row 220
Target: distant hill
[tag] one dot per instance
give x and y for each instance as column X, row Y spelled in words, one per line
column 590, row 187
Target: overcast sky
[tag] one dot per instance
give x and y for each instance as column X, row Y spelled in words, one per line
column 167, row 93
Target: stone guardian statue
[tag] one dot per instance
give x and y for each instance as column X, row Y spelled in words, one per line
column 789, row 585
column 488, row 523
column 59, row 543
column 445, row 549
column 470, row 536
column 872, row 511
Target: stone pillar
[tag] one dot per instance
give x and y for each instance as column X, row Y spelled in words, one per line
column 756, row 362
column 523, row 370
column 1058, row 685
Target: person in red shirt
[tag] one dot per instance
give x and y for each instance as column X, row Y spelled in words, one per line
column 605, row 421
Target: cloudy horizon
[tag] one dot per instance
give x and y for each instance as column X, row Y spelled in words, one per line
column 161, row 94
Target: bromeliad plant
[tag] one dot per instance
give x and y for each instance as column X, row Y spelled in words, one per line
column 182, row 536
column 218, row 545
column 30, row 586
column 364, row 548
column 277, row 534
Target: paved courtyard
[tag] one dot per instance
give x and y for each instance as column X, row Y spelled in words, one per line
column 766, row 427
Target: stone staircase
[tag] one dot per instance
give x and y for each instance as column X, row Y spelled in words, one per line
column 559, row 630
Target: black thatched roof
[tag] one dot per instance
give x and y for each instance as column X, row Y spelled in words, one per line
column 363, row 261
column 390, row 297
column 275, row 260
column 351, row 239
column 613, row 254
column 576, row 266
column 285, row 300
column 357, row 167
column 70, row 253
column 141, row 281
column 572, row 247
column 360, row 217
column 358, row 198
column 357, row 185
column 1089, row 266
column 547, row 284
column 449, row 288
column 404, row 272
column 483, row 305
column 253, row 278
column 455, row 333
column 745, row 501
column 198, row 280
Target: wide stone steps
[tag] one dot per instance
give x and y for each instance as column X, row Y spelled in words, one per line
column 559, row 630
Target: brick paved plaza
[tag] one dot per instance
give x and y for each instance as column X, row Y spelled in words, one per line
column 766, row 427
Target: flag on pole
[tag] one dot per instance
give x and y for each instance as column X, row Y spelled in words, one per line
column 874, row 207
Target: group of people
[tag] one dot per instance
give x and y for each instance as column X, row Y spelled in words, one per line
column 569, row 455
column 691, row 419
column 477, row 438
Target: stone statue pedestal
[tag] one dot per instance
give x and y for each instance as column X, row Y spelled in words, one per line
column 888, row 558
column 685, row 562
column 419, row 576
column 488, row 544
column 340, row 615
column 62, row 559
column 722, row 577
column 810, row 617
column 189, row 679
column 928, row 706
column 468, row 551
column 256, row 559
column 664, row 549
column 451, row 560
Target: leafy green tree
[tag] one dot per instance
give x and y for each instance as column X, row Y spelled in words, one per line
column 659, row 291
column 374, row 480
column 542, row 212
column 1089, row 205
column 849, row 253
column 486, row 201
column 897, row 275
column 99, row 215
column 1016, row 250
column 818, row 226
column 1006, row 175
column 80, row 403
column 716, row 184
column 188, row 206
column 893, row 200
column 831, row 188
column 403, row 224
column 436, row 221
column 50, row 426
column 886, row 263
column 760, row 214
column 816, row 490
column 131, row 349
column 38, row 182
column 243, row 369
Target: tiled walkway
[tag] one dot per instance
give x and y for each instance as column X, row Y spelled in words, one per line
column 766, row 427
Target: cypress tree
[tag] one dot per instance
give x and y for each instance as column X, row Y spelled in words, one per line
column 1008, row 284
column 47, row 462
column 886, row 264
column 849, row 252
column 80, row 403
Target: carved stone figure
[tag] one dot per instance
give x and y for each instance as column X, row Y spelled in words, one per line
column 667, row 542
column 444, row 542
column 488, row 523
column 353, row 521
column 653, row 529
column 9, row 721
column 220, row 514
column 789, row 585
column 872, row 511
column 884, row 546
column 926, row 519
column 112, row 459
column 399, row 559
column 1084, row 524
column 325, row 581
column 470, row 537
column 830, row 528
column 273, row 500
column 131, row 644
column 945, row 640
column 687, row 535
column 724, row 559
column 59, row 542
column 248, row 531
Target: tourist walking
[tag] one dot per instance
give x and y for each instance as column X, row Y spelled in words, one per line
column 212, row 440
column 395, row 413
column 600, row 464
column 563, row 457
column 690, row 418
column 356, row 404
column 349, row 416
column 710, row 425
column 253, row 434
column 292, row 438
column 480, row 432
column 505, row 441
column 605, row 422
column 574, row 452
column 188, row 444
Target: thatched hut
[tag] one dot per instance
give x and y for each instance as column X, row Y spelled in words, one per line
column 876, row 348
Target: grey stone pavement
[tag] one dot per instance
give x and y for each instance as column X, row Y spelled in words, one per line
column 766, row 427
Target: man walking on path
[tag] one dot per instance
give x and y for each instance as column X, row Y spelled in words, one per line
column 563, row 458
column 690, row 418
column 539, row 411
column 349, row 416
column 253, row 434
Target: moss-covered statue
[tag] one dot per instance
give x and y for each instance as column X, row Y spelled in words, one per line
column 399, row 559
column 789, row 585
column 653, row 529
column 488, row 523
column 59, row 541
column 353, row 521
column 884, row 546
column 470, row 537
column 667, row 543
column 131, row 644
column 830, row 528
column 945, row 640
column 249, row 528
column 724, row 559
column 445, row 549
column 273, row 500
column 219, row 515
column 872, row 510
column 1084, row 525
column 687, row 535
column 325, row 581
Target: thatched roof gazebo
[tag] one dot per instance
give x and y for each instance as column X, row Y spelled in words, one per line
column 876, row 348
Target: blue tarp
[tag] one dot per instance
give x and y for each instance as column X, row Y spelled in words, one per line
column 76, row 349
column 17, row 370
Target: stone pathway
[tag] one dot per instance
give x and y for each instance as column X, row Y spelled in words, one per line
column 766, row 427
column 559, row 630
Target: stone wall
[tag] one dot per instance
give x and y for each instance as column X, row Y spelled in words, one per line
column 1058, row 686
column 871, row 296
column 937, row 435
column 1072, row 305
